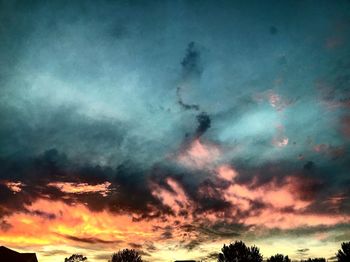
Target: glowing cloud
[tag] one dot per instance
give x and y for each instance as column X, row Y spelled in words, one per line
column 15, row 186
column 175, row 199
column 199, row 155
column 226, row 172
column 82, row 188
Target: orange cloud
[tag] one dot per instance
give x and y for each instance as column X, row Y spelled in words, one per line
column 81, row 188
column 73, row 225
column 14, row 186
column 76, row 226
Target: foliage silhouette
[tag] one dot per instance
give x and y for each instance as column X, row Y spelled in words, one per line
column 343, row 254
column 239, row 252
column 279, row 258
column 75, row 258
column 126, row 255
column 314, row 260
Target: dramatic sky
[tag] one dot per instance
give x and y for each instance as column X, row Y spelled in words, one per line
column 173, row 127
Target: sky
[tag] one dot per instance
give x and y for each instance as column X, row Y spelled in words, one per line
column 174, row 127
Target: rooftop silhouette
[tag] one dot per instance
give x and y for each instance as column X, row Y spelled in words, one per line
column 10, row 255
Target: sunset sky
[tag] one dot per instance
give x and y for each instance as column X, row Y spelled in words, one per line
column 173, row 127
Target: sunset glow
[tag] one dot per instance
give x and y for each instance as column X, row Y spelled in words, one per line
column 174, row 127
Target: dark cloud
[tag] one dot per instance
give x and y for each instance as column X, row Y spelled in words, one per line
column 54, row 252
column 224, row 230
column 149, row 246
column 191, row 68
column 143, row 253
column 211, row 256
column 43, row 214
column 59, row 129
column 37, row 172
column 4, row 225
column 183, row 104
column 309, row 165
column 303, row 251
column 310, row 231
column 135, row 245
column 192, row 244
column 90, row 240
column 133, row 194
column 204, row 123
column 191, row 62
column 167, row 234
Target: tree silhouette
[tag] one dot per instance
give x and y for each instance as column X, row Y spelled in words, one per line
column 314, row 260
column 239, row 252
column 126, row 255
column 343, row 254
column 279, row 258
column 75, row 258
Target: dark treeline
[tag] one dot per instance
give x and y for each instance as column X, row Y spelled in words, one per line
column 234, row 252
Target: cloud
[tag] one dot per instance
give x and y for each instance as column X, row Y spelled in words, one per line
column 345, row 126
column 105, row 256
column 303, row 251
column 198, row 155
column 54, row 252
column 14, row 186
column 4, row 225
column 183, row 104
column 211, row 256
column 82, row 188
column 203, row 124
column 191, row 61
column 175, row 198
column 189, row 125
column 90, row 240
column 191, row 69
column 135, row 246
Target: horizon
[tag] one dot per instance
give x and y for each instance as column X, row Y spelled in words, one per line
column 174, row 127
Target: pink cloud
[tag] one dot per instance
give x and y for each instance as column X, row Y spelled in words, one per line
column 176, row 199
column 199, row 155
column 226, row 172
column 332, row 151
column 280, row 140
column 278, row 219
column 345, row 126
column 278, row 102
column 276, row 195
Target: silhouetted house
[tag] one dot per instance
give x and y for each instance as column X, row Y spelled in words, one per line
column 8, row 255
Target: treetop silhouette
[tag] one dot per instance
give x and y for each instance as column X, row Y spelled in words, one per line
column 126, row 255
column 75, row 258
column 314, row 260
column 279, row 258
column 239, row 252
column 343, row 254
